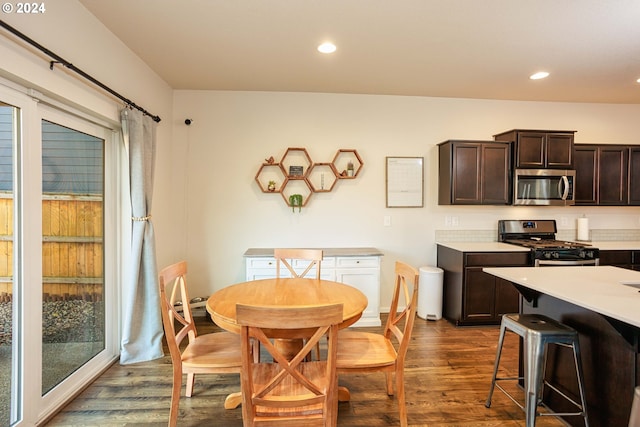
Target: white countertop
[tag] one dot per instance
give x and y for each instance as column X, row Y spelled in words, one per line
column 506, row 247
column 630, row 245
column 483, row 247
column 327, row 252
column 599, row 289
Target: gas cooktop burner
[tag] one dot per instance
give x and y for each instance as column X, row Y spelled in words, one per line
column 537, row 243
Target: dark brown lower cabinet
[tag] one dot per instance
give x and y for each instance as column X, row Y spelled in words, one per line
column 621, row 258
column 473, row 297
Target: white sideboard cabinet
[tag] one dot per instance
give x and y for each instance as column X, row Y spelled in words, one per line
column 358, row 267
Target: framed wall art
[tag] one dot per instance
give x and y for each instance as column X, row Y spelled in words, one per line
column 405, row 182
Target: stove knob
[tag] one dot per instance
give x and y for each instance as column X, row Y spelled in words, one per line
column 556, row 255
column 547, row 255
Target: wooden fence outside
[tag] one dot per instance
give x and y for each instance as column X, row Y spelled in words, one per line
column 72, row 248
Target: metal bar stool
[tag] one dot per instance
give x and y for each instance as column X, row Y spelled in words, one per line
column 537, row 331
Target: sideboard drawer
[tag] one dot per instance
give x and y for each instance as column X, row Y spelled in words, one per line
column 261, row 262
column 327, row 262
column 357, row 262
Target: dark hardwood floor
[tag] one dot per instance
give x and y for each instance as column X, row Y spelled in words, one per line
column 447, row 376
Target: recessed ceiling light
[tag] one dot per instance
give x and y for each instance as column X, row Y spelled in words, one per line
column 327, row 47
column 638, row 80
column 539, row 75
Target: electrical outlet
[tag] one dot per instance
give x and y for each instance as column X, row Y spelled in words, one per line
column 387, row 221
column 447, row 221
column 454, row 221
column 564, row 221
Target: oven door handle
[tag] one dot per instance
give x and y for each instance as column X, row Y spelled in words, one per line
column 540, row 262
column 564, row 181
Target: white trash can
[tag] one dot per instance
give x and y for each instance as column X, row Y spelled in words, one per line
column 430, row 293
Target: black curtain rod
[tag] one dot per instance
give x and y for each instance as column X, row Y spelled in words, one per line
column 59, row 60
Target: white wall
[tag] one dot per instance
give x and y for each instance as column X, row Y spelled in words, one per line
column 233, row 132
column 73, row 33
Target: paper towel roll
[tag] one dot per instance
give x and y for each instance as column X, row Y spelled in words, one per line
column 583, row 229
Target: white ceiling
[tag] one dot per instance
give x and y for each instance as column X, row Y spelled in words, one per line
column 443, row 48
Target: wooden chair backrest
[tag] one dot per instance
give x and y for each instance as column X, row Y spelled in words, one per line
column 296, row 388
column 178, row 324
column 314, row 256
column 400, row 323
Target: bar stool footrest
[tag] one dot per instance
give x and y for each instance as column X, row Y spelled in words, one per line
column 546, row 384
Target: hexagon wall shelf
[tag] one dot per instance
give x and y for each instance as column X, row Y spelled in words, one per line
column 344, row 159
column 300, row 186
column 271, row 173
column 296, row 173
column 322, row 177
column 296, row 158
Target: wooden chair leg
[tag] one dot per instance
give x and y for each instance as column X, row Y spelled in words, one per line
column 389, row 378
column 191, row 379
column 402, row 405
column 331, row 414
column 175, row 399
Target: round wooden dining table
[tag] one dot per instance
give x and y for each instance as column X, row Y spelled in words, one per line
column 285, row 292
column 221, row 305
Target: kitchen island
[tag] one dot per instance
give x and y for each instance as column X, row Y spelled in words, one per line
column 603, row 304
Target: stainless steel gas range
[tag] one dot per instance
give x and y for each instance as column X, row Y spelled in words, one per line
column 540, row 236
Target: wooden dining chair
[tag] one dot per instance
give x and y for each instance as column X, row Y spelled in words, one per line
column 289, row 391
column 213, row 353
column 360, row 352
column 286, row 256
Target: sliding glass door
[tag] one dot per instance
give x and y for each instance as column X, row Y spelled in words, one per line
column 72, row 251
column 9, row 124
column 58, row 245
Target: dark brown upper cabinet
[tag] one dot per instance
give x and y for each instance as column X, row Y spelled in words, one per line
column 586, row 184
column 634, row 175
column 603, row 175
column 540, row 149
column 474, row 173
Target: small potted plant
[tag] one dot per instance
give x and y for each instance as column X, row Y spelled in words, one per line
column 271, row 186
column 350, row 168
column 295, row 200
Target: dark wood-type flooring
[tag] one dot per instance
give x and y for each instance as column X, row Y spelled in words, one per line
column 448, row 371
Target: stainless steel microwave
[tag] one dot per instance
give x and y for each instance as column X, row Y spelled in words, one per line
column 548, row 187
